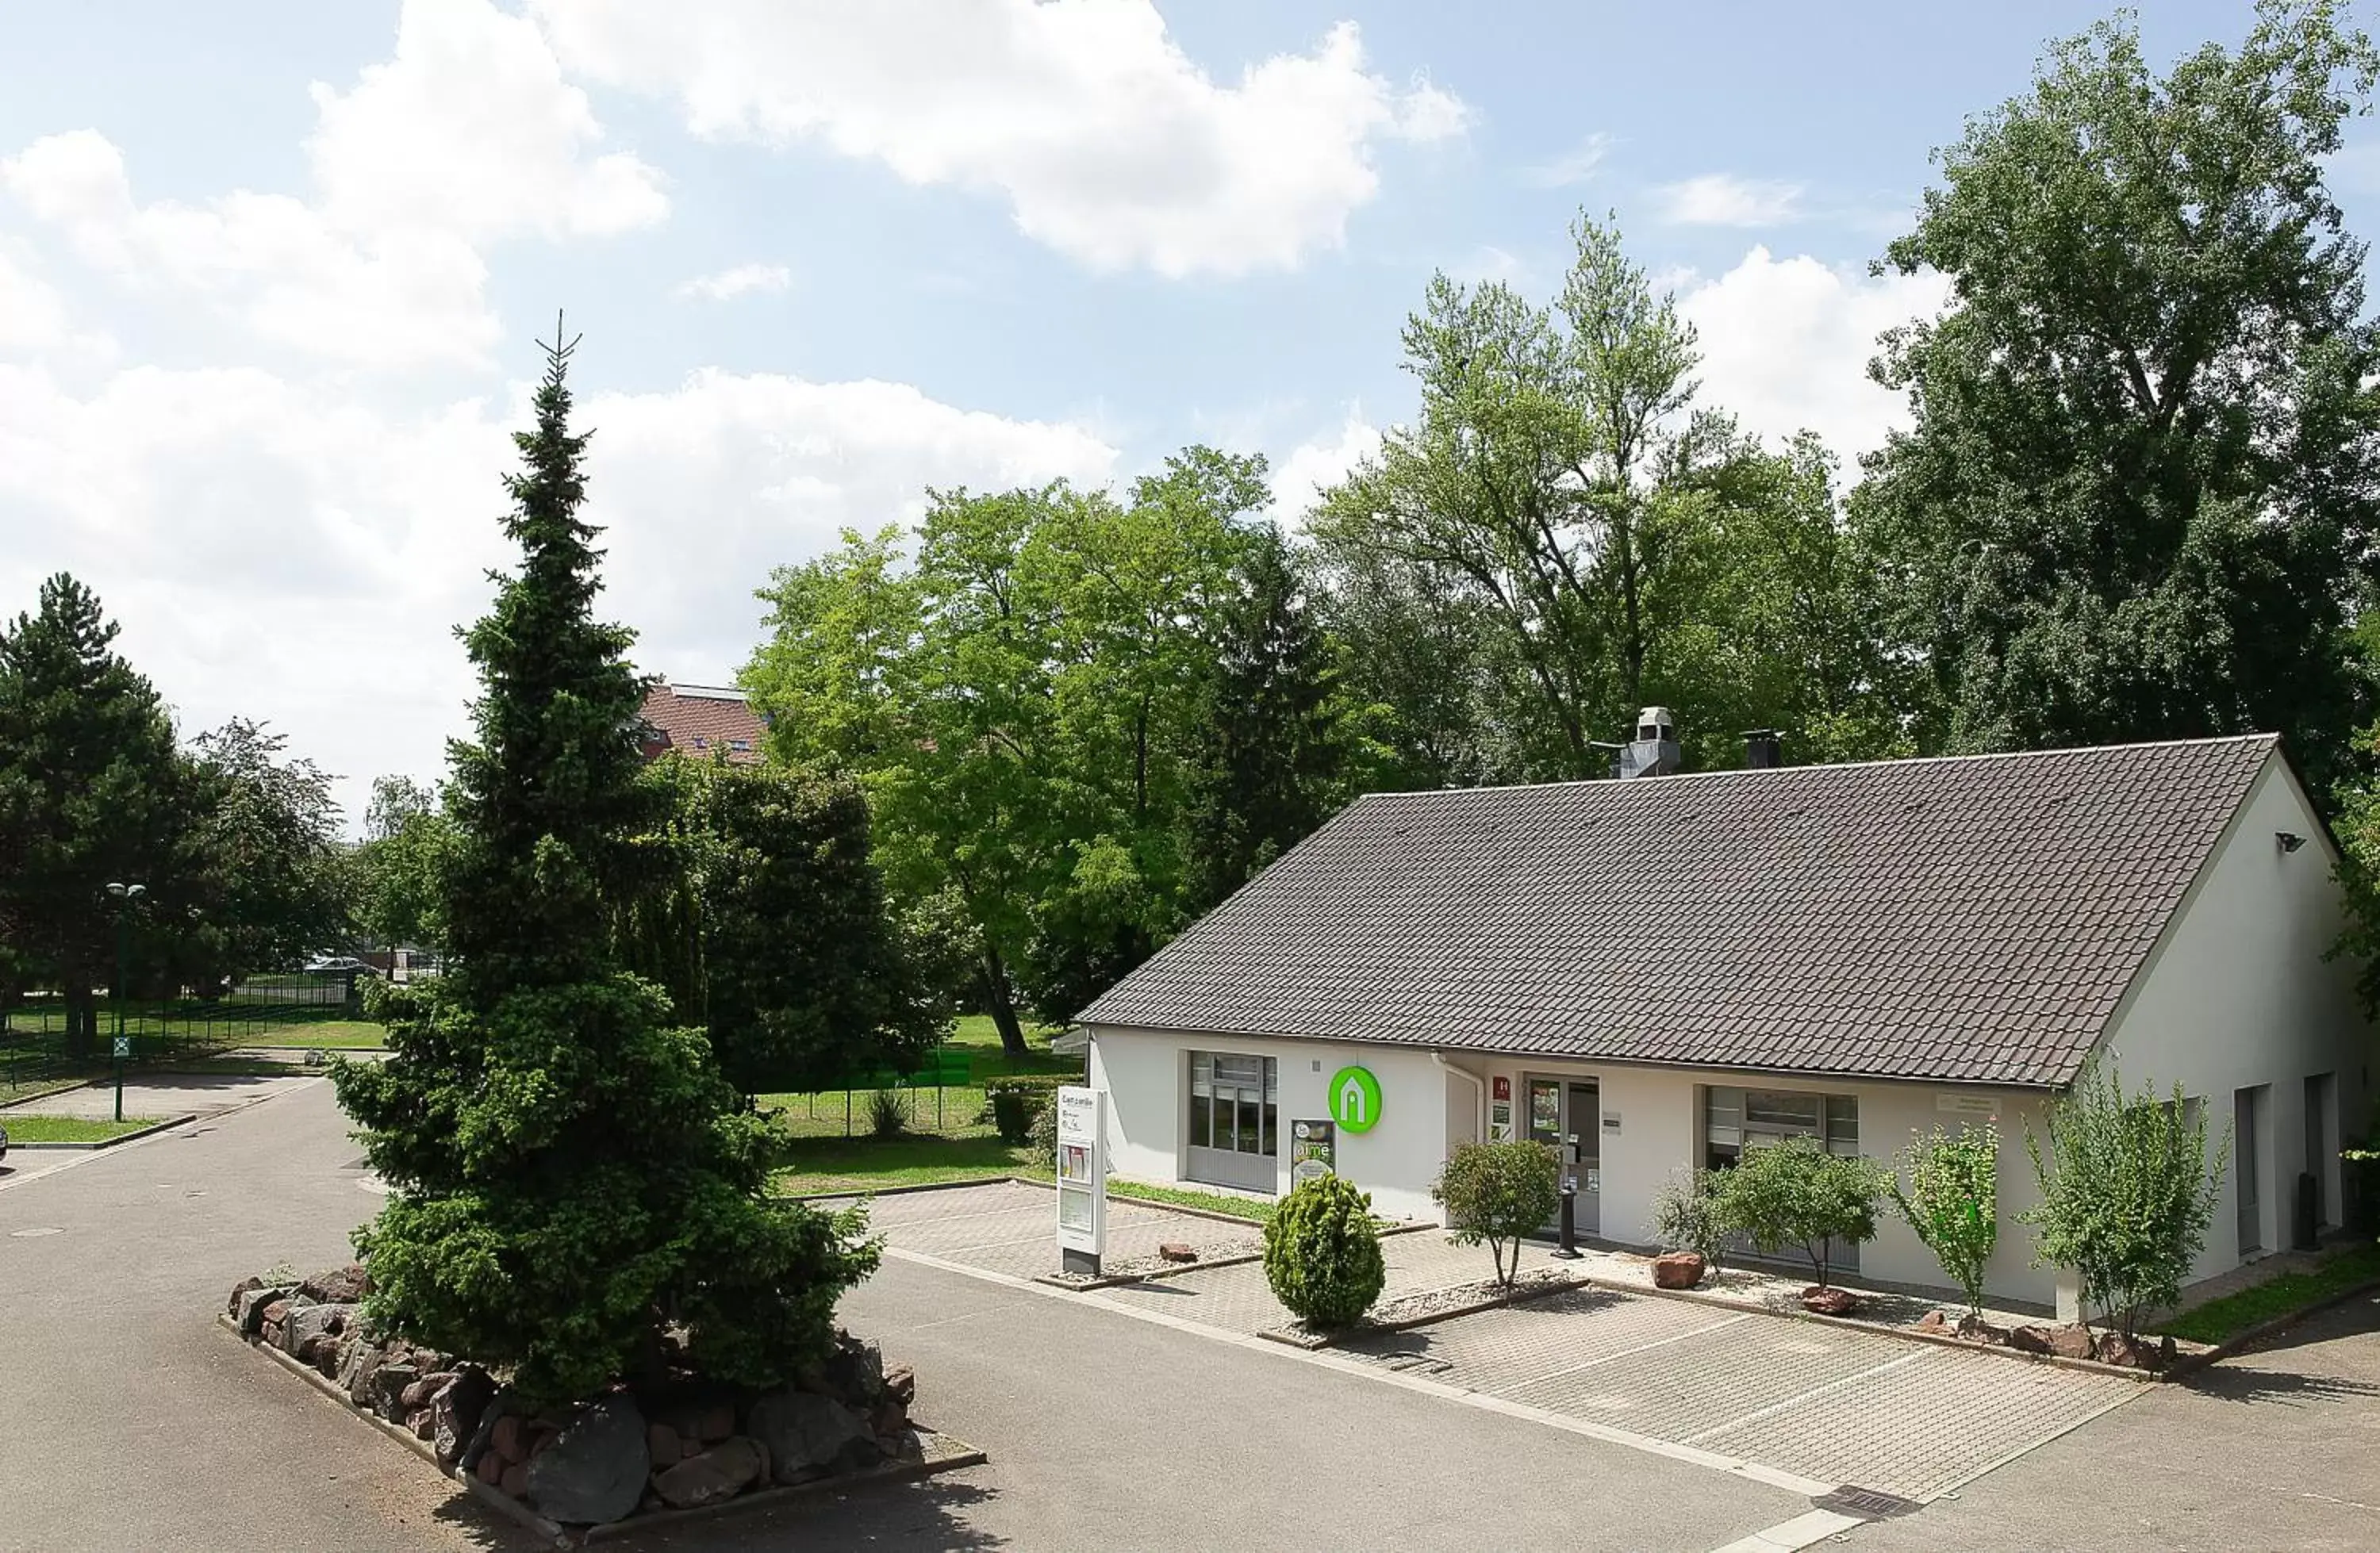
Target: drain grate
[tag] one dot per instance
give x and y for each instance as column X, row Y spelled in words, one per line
column 1869, row 1504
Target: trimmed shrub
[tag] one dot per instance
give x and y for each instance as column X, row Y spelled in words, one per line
column 1013, row 1111
column 1499, row 1193
column 887, row 1117
column 2126, row 1193
column 1795, row 1195
column 1043, row 1134
column 1322, row 1253
column 1952, row 1202
column 1686, row 1218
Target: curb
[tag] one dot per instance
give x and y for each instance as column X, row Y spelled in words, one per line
column 67, row 1086
column 106, row 1143
column 1256, row 1224
column 1906, row 1334
column 958, row 1454
column 855, row 1194
column 2249, row 1337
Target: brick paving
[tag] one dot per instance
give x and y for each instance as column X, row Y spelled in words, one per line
column 1832, row 1404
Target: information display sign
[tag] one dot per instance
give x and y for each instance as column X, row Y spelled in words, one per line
column 1313, row 1150
column 1082, row 1178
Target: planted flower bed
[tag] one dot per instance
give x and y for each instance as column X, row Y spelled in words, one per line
column 673, row 1443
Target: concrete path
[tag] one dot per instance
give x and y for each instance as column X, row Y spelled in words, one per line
column 161, row 1094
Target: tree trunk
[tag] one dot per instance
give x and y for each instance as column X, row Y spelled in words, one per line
column 82, row 1015
column 1003, row 1007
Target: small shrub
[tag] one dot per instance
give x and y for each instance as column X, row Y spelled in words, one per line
column 1013, row 1111
column 1499, row 1193
column 1796, row 1195
column 1322, row 1253
column 1686, row 1218
column 1043, row 1134
column 887, row 1117
column 2126, row 1194
column 1952, row 1202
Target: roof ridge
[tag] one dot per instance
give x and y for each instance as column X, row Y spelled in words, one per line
column 2271, row 738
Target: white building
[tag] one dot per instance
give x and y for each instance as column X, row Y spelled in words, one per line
column 1653, row 973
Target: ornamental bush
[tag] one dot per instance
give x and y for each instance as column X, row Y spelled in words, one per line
column 1686, row 1218
column 1952, row 1202
column 1794, row 1195
column 1322, row 1253
column 2126, row 1193
column 1499, row 1193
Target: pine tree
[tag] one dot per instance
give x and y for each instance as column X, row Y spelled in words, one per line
column 92, row 791
column 1267, row 761
column 572, row 1180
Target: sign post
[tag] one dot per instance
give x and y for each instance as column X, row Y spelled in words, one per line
column 122, row 1049
column 1082, row 1179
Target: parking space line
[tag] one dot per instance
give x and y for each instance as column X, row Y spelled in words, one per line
column 1772, row 1409
column 1607, row 1358
column 1774, row 1478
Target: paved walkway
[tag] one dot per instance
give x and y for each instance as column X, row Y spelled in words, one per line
column 161, row 1094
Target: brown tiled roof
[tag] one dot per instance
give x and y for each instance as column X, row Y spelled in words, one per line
column 699, row 719
column 1959, row 919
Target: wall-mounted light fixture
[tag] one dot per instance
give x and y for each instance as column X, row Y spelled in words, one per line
column 2287, row 840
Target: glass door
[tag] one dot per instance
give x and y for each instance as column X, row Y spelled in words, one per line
column 1583, row 1113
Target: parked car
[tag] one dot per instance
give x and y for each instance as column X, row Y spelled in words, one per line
column 333, row 963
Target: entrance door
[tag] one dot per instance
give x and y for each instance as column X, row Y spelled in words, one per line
column 2243, row 1144
column 1584, row 1118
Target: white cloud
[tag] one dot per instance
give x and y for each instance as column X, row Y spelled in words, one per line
column 470, row 128
column 466, row 136
column 1109, row 144
column 33, row 318
column 737, row 281
column 1314, row 466
column 1577, row 166
column 1719, row 199
column 1786, row 344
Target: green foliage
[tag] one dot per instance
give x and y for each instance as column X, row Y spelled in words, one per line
column 1322, row 1253
column 1952, row 1202
column 888, row 1117
column 2218, row 1320
column 2140, row 486
column 399, row 870
column 766, row 920
column 1499, row 1193
column 1795, row 1195
column 1013, row 1110
column 1686, row 1218
column 269, row 880
column 572, row 1178
column 2127, row 1192
column 1042, row 1136
column 1563, row 535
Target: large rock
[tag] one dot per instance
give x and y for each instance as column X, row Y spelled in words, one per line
column 2066, row 1343
column 245, row 1286
column 252, row 1305
column 360, row 1364
column 388, row 1389
column 339, row 1286
column 808, row 1435
column 720, row 1473
column 901, row 1384
column 852, row 1373
column 306, row 1324
column 1829, row 1301
column 1677, row 1269
column 595, row 1469
column 454, row 1413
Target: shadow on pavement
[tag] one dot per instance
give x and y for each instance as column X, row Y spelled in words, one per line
column 932, row 1513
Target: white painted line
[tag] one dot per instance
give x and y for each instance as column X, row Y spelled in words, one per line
column 1773, row 1409
column 27, row 1178
column 1791, row 1536
column 1622, row 1353
column 1752, row 1471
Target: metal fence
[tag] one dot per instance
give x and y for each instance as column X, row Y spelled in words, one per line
column 185, row 1022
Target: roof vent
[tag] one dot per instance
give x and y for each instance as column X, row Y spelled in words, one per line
column 1654, row 750
column 1763, row 750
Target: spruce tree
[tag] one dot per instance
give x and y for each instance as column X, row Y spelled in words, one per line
column 573, row 1181
column 1266, row 764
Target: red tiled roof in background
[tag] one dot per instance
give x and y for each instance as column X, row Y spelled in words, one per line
column 700, row 719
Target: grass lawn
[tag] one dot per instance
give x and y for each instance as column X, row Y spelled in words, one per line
column 866, row 1164
column 334, row 1035
column 2218, row 1319
column 957, row 1111
column 979, row 1038
column 70, row 1129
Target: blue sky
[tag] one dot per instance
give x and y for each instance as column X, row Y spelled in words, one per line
column 270, row 273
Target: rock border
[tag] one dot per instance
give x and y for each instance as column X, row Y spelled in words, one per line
column 954, row 1454
column 135, row 1135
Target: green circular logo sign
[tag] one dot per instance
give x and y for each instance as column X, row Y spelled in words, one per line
column 1354, row 1098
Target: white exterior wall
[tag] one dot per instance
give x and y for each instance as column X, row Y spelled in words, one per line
column 2239, row 995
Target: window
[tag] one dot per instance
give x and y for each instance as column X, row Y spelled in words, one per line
column 1233, row 1124
column 739, row 744
column 1734, row 1119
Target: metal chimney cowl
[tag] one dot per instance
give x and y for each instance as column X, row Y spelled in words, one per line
column 1654, row 751
column 1764, row 750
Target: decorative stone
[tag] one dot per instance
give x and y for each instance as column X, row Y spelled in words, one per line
column 490, row 1469
column 389, row 1386
column 720, row 1473
column 253, row 1305
column 1175, row 1251
column 1829, row 1301
column 343, row 1285
column 2066, row 1343
column 662, row 1445
column 360, row 1364
column 1933, row 1321
column 245, row 1286
column 595, row 1469
column 306, row 1323
column 901, row 1384
column 1677, row 1269
column 717, row 1423
column 454, row 1413
column 421, row 1423
column 515, row 1481
column 852, row 1373
column 890, row 1418
column 809, row 1436
column 907, row 1447
column 509, row 1439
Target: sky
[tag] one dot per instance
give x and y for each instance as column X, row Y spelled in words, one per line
column 272, row 272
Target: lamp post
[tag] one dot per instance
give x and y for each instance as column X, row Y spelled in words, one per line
column 124, row 895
